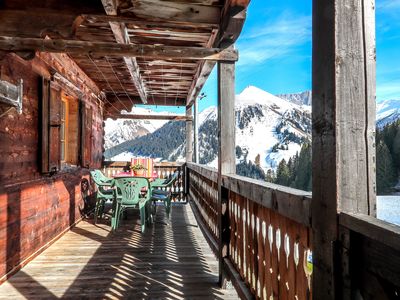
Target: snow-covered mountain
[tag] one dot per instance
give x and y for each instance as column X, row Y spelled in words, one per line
column 387, row 112
column 302, row 98
column 268, row 129
column 121, row 130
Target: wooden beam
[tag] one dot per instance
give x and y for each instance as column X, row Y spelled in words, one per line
column 160, row 10
column 226, row 154
column 343, row 127
column 147, row 22
column 112, row 49
column 64, row 21
column 153, row 100
column 196, row 155
column 121, row 36
column 148, row 117
column 226, row 118
column 231, row 23
column 202, row 72
column 201, row 76
column 189, row 135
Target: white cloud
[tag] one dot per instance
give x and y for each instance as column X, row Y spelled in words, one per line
column 274, row 39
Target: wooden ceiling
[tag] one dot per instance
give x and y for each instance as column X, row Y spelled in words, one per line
column 137, row 51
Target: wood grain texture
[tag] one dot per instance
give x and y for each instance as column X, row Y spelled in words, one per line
column 170, row 260
column 177, row 80
column 189, row 134
column 125, row 50
column 265, row 266
column 343, row 125
column 35, row 208
column 226, row 118
column 33, row 213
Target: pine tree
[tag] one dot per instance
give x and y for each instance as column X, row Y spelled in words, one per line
column 303, row 172
column 270, row 176
column 282, row 173
column 385, row 171
column 396, row 148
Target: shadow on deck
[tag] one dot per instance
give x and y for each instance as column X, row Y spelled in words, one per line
column 169, row 261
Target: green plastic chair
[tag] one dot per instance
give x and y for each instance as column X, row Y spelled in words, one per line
column 128, row 195
column 159, row 192
column 102, row 194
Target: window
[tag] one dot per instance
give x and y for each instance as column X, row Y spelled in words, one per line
column 65, row 132
column 69, row 129
column 64, row 126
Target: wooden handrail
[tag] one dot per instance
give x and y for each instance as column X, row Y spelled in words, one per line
column 372, row 228
column 205, row 171
column 370, row 253
column 291, row 203
column 118, row 164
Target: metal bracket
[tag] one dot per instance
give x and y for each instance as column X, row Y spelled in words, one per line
column 11, row 94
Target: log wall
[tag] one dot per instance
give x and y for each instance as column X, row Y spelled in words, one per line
column 35, row 208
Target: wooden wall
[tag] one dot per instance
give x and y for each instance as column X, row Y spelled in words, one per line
column 35, row 208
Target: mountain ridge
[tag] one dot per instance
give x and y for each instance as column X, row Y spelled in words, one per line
column 268, row 129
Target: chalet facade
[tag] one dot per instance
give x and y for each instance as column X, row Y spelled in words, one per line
column 42, row 166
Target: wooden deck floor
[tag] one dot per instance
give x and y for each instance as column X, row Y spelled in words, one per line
column 169, row 261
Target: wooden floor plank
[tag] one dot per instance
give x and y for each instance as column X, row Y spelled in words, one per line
column 171, row 260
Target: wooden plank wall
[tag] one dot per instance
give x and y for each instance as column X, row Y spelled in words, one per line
column 35, row 208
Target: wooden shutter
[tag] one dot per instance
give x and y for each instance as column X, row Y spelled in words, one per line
column 88, row 137
column 44, row 111
column 85, row 129
column 54, row 131
column 82, row 132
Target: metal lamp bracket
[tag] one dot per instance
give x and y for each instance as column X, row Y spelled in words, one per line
column 11, row 94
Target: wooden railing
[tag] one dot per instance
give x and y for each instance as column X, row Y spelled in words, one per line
column 203, row 191
column 370, row 257
column 269, row 235
column 164, row 169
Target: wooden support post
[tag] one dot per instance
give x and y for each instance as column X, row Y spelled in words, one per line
column 189, row 134
column 343, row 128
column 196, row 131
column 226, row 153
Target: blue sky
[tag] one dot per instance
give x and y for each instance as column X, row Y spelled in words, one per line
column 275, row 50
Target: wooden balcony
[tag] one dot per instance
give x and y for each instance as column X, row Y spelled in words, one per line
column 271, row 242
column 171, row 260
column 262, row 243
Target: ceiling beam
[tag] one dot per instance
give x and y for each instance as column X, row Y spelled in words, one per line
column 148, row 117
column 231, row 22
column 230, row 27
column 14, row 44
column 121, row 36
column 212, row 23
column 160, row 10
column 154, row 99
column 201, row 78
column 203, row 70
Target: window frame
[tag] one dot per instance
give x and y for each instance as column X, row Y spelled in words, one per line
column 64, row 124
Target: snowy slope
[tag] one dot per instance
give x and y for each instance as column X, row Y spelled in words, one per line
column 264, row 122
column 387, row 112
column 268, row 129
column 121, row 130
